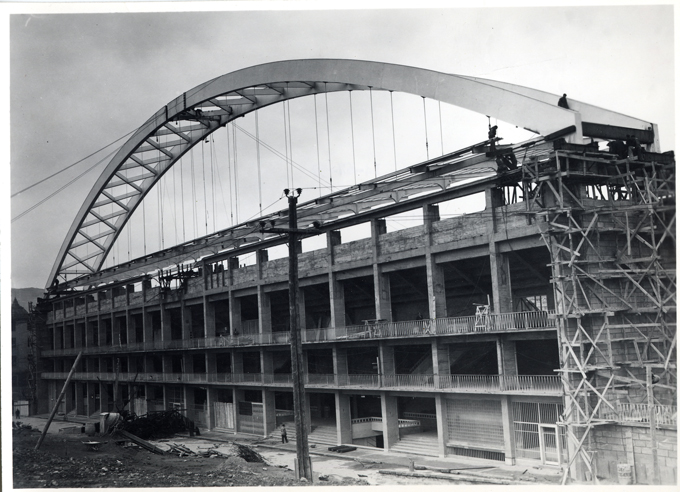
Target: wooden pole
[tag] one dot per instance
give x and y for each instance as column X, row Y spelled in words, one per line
column 301, row 444
column 652, row 426
column 56, row 405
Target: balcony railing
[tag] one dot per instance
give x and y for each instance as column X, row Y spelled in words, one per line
column 639, row 412
column 429, row 382
column 528, row 320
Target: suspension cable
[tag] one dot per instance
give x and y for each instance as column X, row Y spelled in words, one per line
column 328, row 131
column 174, row 201
column 205, row 193
column 231, row 204
column 219, row 178
column 427, row 148
column 212, row 180
column 318, row 155
column 441, row 131
column 235, row 173
column 144, row 223
column 276, row 152
column 375, row 162
column 181, row 181
column 160, row 203
column 351, row 119
column 259, row 173
column 290, row 138
column 285, row 141
column 394, row 136
column 193, row 194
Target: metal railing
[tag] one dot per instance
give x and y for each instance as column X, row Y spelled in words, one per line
column 639, row 412
column 501, row 383
column 454, row 382
column 527, row 320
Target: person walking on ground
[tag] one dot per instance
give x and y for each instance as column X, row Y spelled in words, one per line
column 17, row 414
column 284, row 435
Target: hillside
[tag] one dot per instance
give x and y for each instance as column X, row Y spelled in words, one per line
column 26, row 295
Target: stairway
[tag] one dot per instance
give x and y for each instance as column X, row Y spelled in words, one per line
column 324, row 434
column 425, row 444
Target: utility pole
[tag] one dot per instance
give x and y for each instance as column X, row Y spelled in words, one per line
column 301, row 443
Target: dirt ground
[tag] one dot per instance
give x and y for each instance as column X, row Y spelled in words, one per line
column 63, row 461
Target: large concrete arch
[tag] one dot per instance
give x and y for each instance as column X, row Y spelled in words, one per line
column 185, row 121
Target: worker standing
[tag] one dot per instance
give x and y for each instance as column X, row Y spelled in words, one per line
column 284, row 434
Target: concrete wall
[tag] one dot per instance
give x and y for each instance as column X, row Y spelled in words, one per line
column 631, row 444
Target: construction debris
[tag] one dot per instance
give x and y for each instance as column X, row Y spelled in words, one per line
column 141, row 442
column 156, row 424
column 450, row 477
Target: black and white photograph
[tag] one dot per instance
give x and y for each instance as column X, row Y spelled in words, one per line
column 292, row 244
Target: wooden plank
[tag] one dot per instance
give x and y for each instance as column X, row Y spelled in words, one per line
column 141, row 442
column 56, row 405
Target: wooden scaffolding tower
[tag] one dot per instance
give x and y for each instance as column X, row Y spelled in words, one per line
column 609, row 223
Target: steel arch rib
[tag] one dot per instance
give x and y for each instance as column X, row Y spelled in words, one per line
column 215, row 103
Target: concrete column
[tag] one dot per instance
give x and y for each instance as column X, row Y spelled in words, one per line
column 500, row 265
column 91, row 400
column 383, row 298
column 440, row 363
column 89, row 338
column 267, row 365
column 238, row 396
column 131, row 334
column 103, row 397
column 147, row 325
column 337, row 300
column 381, row 282
column 115, row 331
column 264, row 310
column 340, row 366
column 343, row 419
column 390, row 420
column 507, row 362
column 189, row 402
column 166, row 405
column 442, row 423
column 209, row 317
column 335, row 288
column 387, row 367
column 78, row 335
column 80, row 398
column 500, row 280
column 508, row 431
column 166, row 327
column 436, row 289
column 234, row 313
column 211, row 398
column 269, row 411
column 185, row 314
column 131, row 328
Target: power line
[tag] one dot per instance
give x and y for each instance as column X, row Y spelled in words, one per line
column 63, row 187
column 70, row 166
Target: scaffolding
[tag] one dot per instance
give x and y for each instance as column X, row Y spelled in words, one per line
column 609, row 223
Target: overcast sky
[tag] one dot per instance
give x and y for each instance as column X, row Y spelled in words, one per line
column 78, row 82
